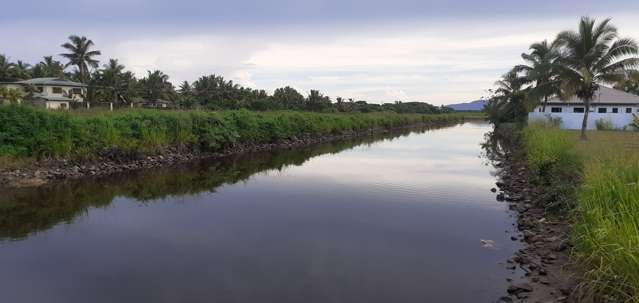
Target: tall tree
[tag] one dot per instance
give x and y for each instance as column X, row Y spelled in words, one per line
column 48, row 67
column 630, row 83
column 542, row 71
column 81, row 56
column 5, row 67
column 110, row 81
column 21, row 70
column 156, row 86
column 593, row 55
column 508, row 102
column 288, row 98
column 316, row 101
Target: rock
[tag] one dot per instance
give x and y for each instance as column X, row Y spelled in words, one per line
column 519, row 288
column 493, row 190
column 529, row 234
column 487, row 243
column 505, row 299
column 500, row 197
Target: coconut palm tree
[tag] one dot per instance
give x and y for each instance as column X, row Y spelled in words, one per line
column 110, row 80
column 630, row 84
column 542, row 70
column 593, row 55
column 48, row 68
column 156, row 86
column 21, row 70
column 81, row 55
column 5, row 67
column 508, row 102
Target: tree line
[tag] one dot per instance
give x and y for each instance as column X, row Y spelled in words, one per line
column 111, row 82
column 575, row 63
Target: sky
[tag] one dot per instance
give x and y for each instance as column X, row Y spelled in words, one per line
column 434, row 51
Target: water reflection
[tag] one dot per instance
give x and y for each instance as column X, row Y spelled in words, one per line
column 27, row 210
column 362, row 221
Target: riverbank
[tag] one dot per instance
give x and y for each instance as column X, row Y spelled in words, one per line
column 576, row 203
column 548, row 275
column 53, row 146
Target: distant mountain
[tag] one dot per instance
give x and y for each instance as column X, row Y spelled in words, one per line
column 477, row 105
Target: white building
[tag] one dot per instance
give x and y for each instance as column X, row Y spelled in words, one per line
column 614, row 106
column 53, row 93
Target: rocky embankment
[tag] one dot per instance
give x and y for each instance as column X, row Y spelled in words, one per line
column 106, row 162
column 549, row 277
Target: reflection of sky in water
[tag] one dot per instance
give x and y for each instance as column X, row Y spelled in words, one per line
column 396, row 221
column 440, row 167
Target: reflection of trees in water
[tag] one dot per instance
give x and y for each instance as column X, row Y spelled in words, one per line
column 27, row 210
column 500, row 143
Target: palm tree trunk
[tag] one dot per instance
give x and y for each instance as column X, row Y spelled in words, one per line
column 584, row 124
column 543, row 108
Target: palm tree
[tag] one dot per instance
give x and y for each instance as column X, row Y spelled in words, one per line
column 542, row 71
column 185, row 89
column 111, row 80
column 156, row 86
column 630, row 83
column 5, row 67
column 81, row 55
column 508, row 100
column 52, row 68
column 48, row 68
column 591, row 56
column 21, row 70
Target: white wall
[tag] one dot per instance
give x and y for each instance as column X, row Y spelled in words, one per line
column 56, row 105
column 574, row 120
column 47, row 90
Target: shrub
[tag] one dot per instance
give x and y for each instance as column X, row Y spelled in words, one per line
column 603, row 124
column 30, row 132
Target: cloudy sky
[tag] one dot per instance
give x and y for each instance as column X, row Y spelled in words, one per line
column 413, row 50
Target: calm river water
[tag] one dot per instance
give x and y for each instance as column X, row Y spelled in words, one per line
column 384, row 219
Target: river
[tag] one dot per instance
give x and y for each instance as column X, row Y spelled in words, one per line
column 394, row 218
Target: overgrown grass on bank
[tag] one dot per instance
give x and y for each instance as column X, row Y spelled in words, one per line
column 599, row 180
column 29, row 132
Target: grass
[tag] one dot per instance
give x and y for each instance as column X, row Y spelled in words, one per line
column 606, row 208
column 27, row 132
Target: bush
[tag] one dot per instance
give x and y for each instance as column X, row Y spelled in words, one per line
column 603, row 124
column 31, row 132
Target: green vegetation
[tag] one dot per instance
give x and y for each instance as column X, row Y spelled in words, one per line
column 114, row 84
column 576, row 63
column 31, row 132
column 599, row 181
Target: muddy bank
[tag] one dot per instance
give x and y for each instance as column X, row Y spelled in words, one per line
column 106, row 163
column 548, row 274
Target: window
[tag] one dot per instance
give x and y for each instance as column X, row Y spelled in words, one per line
column 540, row 109
column 578, row 110
column 628, row 110
column 77, row 91
column 57, row 90
column 615, row 110
column 555, row 109
column 39, row 89
column 602, row 110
